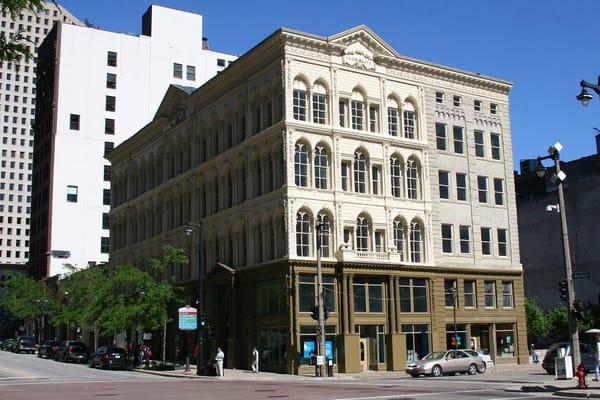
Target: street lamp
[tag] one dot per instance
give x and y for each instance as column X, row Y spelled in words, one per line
column 452, row 291
column 321, row 330
column 584, row 96
column 189, row 229
column 559, row 176
column 42, row 306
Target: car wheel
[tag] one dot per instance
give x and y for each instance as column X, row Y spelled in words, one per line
column 39, row 355
column 482, row 369
column 436, row 370
column 103, row 365
column 472, row 369
column 414, row 375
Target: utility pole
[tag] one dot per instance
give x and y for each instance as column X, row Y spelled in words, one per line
column 191, row 226
column 320, row 300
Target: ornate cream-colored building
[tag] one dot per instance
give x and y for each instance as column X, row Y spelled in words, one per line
column 407, row 164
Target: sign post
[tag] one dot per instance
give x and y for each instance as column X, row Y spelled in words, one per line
column 582, row 275
column 188, row 321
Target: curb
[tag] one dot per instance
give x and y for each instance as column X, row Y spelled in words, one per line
column 581, row 393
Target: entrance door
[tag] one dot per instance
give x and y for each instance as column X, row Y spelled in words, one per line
column 364, row 354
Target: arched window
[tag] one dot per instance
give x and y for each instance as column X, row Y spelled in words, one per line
column 409, row 121
column 412, row 179
column 325, row 234
column 360, row 172
column 357, row 108
column 319, row 104
column 301, row 165
column 396, row 176
column 362, row 234
column 299, row 103
column 302, row 234
column 416, row 242
column 320, row 167
column 393, row 122
column 399, row 237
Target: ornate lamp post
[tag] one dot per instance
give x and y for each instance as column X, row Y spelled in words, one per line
column 42, row 306
column 584, row 96
column 190, row 228
column 452, row 291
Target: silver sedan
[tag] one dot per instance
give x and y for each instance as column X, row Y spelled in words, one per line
column 446, row 362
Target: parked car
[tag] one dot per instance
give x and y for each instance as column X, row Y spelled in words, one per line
column 72, row 350
column 109, row 357
column 9, row 344
column 485, row 357
column 445, row 362
column 48, row 348
column 25, row 344
column 2, row 341
column 587, row 355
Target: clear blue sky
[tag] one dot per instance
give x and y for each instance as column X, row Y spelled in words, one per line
column 545, row 47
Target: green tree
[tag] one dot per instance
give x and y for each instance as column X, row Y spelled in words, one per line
column 537, row 323
column 14, row 48
column 558, row 323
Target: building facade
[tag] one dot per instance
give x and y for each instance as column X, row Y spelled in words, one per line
column 540, row 229
column 99, row 88
column 17, row 102
column 406, row 164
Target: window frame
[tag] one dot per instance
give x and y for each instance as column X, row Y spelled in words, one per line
column 464, row 233
column 482, row 189
column 499, row 191
column 508, row 295
column 446, row 233
column 444, row 188
column 72, row 193
column 489, row 295
column 471, row 295
column 300, row 106
column 502, row 237
column 458, row 139
column 177, row 70
column 486, row 241
column 461, row 189
column 441, row 140
column 495, row 145
column 478, row 137
column 74, row 122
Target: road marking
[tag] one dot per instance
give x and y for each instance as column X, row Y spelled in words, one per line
column 68, row 380
column 420, row 394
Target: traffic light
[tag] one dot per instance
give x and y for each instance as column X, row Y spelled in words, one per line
column 325, row 313
column 564, row 290
column 314, row 312
column 579, row 310
column 202, row 320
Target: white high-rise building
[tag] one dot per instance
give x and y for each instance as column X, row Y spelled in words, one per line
column 97, row 88
column 17, row 103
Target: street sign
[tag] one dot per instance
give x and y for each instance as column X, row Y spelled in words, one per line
column 188, row 318
column 581, row 275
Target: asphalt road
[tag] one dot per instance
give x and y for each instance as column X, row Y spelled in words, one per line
column 24, row 376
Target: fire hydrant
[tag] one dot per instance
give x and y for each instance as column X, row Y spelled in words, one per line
column 581, row 373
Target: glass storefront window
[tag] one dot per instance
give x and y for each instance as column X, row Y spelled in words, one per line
column 368, row 294
column 272, row 344
column 271, row 298
column 307, row 296
column 417, row 340
column 376, row 337
column 505, row 340
column 461, row 336
column 413, row 295
column 308, row 342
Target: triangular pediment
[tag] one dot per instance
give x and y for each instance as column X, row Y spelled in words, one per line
column 362, row 40
column 171, row 107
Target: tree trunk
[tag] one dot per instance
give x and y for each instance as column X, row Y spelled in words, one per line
column 164, row 342
column 95, row 337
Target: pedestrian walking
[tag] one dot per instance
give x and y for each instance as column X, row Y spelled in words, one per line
column 254, row 360
column 597, row 369
column 534, row 355
column 219, row 358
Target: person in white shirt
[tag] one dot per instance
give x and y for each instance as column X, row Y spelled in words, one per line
column 597, row 370
column 219, row 358
column 254, row 360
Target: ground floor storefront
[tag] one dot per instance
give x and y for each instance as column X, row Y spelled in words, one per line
column 380, row 317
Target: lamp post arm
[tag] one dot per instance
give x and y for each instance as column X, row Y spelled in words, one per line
column 589, row 85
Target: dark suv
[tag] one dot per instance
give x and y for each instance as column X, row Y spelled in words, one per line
column 48, row 348
column 587, row 355
column 72, row 350
column 109, row 357
column 25, row 344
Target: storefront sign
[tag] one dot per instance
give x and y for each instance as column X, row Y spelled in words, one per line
column 188, row 318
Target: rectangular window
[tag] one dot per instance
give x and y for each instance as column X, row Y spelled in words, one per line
column 104, row 245
column 486, row 241
column 220, row 62
column 482, row 188
column 111, row 59
column 490, row 294
column 72, row 194
column 439, row 97
column 299, row 105
column 368, row 294
column 502, row 243
column 343, row 113
column 413, row 295
column 109, row 126
column 456, row 100
column 373, row 118
column 177, row 70
column 107, row 173
column 319, row 108
column 461, row 186
column 345, row 170
column 450, row 291
column 479, row 144
column 495, row 145
column 409, row 124
column 458, row 139
column 392, row 121
column 440, row 136
column 190, row 73
column 308, row 292
column 444, row 178
column 357, row 114
column 499, row 191
column 505, row 340
column 470, row 295
column 108, row 148
column 507, row 294
column 111, row 81
column 465, row 240
column 105, row 221
column 493, row 108
column 111, row 103
column 447, row 238
column 477, row 105
column 379, row 235
column 106, row 197
column 376, row 180
column 74, row 122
